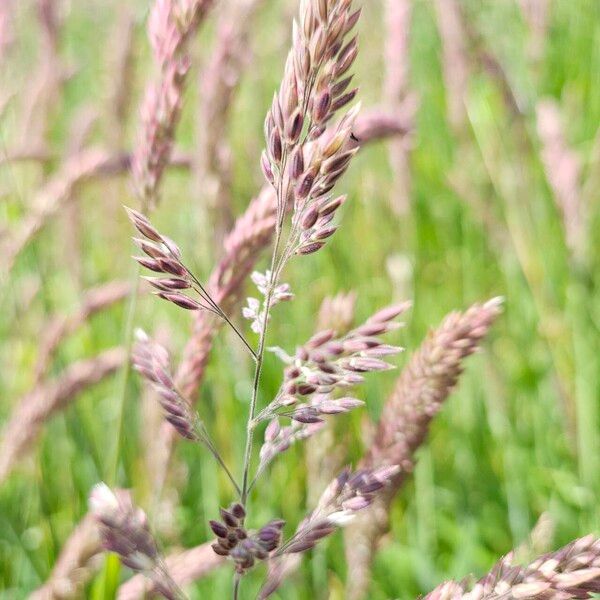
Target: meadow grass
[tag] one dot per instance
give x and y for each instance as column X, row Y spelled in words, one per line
column 521, row 435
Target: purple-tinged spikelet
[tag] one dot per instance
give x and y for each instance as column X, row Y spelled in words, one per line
column 124, row 530
column 327, row 363
column 242, row 546
column 151, row 360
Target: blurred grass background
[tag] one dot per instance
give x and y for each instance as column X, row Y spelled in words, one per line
column 520, row 437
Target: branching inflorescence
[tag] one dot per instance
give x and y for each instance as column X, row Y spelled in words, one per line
column 306, row 153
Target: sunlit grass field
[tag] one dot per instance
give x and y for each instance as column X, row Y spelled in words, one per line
column 519, row 437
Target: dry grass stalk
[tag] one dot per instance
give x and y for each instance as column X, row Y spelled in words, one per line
column 49, row 397
column 422, row 388
column 398, row 95
column 94, row 301
column 170, row 26
column 217, row 87
column 571, row 572
column 51, row 198
column 75, row 565
column 563, row 172
column 455, row 61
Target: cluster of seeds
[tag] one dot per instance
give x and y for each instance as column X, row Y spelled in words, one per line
column 151, row 360
column 571, row 572
column 327, row 363
column 242, row 546
column 124, row 528
column 304, row 158
column 346, row 495
column 316, row 224
column 313, row 87
column 163, row 256
column 278, row 439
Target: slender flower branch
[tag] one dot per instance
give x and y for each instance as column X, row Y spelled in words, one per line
column 163, row 256
column 151, row 360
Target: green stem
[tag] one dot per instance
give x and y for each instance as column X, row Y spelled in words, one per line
column 255, row 386
column 236, row 586
column 111, row 568
column 281, row 199
column 113, row 467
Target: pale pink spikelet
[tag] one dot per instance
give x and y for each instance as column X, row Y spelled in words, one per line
column 348, row 494
column 571, row 572
column 327, row 363
column 423, row 386
column 151, row 360
column 427, row 381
